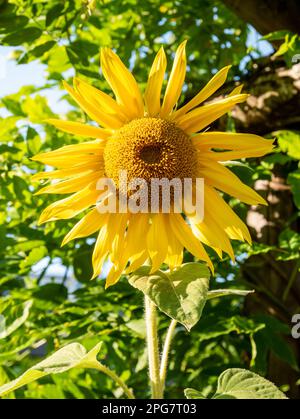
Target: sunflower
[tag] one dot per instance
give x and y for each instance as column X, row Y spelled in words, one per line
column 148, row 137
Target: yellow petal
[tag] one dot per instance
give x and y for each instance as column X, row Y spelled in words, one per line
column 114, row 275
column 242, row 145
column 117, row 253
column 71, row 185
column 186, row 237
column 175, row 249
column 233, row 155
column 157, row 241
column 176, row 80
column 64, row 162
column 224, row 216
column 135, row 243
column 105, row 240
column 212, row 86
column 80, row 129
column 70, row 155
column 123, row 84
column 88, row 225
column 137, row 262
column 154, row 84
column 211, row 234
column 92, row 111
column 99, row 99
column 77, row 170
column 87, row 147
column 72, row 205
column 201, row 117
column 117, row 248
column 236, row 91
column 223, row 179
column 101, row 248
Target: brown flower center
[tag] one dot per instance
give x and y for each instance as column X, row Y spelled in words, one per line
column 150, row 148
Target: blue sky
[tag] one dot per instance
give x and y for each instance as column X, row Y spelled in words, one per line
column 16, row 76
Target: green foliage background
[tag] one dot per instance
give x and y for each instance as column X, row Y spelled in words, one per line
column 42, row 312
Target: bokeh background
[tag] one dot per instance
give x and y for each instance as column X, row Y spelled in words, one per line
column 46, row 297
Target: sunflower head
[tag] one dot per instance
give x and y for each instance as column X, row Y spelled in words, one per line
column 150, row 148
column 148, row 137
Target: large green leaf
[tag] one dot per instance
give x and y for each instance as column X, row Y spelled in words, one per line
column 181, row 294
column 71, row 356
column 237, row 383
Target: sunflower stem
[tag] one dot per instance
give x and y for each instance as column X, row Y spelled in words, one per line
column 152, row 346
column 116, row 379
column 165, row 354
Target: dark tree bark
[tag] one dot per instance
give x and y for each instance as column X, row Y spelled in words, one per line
column 268, row 15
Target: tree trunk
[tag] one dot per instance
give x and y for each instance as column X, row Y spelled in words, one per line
column 274, row 104
column 268, row 15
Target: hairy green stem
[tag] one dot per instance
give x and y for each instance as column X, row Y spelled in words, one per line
column 152, row 346
column 291, row 281
column 117, row 379
column 165, row 354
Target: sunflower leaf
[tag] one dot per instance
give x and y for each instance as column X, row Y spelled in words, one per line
column 238, row 383
column 73, row 355
column 222, row 293
column 181, row 294
column 191, row 393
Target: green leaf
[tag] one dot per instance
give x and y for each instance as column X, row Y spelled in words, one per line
column 7, row 330
column 236, row 163
column 24, row 246
column 275, row 36
column 191, row 393
column 83, row 269
column 13, row 106
column 54, row 13
column 71, row 356
column 287, row 45
column 51, row 292
column 289, row 142
column 294, row 180
column 137, row 326
column 273, row 338
column 237, row 383
column 33, row 141
column 37, row 109
column 289, row 242
column 180, row 294
column 22, row 36
column 39, row 50
column 9, row 22
column 34, row 256
column 222, row 293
